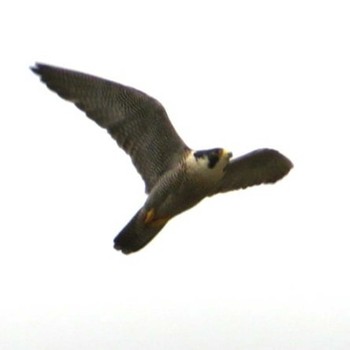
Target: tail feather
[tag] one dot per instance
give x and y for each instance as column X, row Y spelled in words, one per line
column 136, row 234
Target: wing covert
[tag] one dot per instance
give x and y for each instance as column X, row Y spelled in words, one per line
column 138, row 122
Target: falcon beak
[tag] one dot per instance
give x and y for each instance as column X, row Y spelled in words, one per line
column 227, row 154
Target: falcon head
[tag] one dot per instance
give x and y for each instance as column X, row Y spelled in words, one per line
column 213, row 157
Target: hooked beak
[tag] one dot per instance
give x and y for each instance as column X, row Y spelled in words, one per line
column 227, row 154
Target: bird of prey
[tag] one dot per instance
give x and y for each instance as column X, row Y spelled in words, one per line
column 176, row 177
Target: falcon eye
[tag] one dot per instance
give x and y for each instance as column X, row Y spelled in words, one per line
column 208, row 153
column 200, row 154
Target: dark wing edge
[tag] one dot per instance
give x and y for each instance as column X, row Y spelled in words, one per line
column 262, row 166
column 138, row 122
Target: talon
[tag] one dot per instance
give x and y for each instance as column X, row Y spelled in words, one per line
column 151, row 220
column 149, row 216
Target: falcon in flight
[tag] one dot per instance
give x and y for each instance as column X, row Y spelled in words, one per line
column 176, row 177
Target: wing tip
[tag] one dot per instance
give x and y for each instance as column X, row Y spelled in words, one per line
column 285, row 164
column 39, row 69
column 279, row 162
column 35, row 68
column 43, row 69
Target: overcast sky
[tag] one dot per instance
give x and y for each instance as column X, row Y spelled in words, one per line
column 264, row 268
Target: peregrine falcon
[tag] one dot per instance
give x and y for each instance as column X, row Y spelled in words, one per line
column 176, row 177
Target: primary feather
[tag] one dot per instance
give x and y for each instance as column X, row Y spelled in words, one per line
column 138, row 122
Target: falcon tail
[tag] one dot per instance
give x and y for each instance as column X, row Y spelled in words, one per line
column 136, row 234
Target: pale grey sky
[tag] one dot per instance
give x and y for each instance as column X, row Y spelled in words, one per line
column 265, row 268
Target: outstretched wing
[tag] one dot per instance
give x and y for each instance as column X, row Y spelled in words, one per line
column 137, row 122
column 261, row 166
